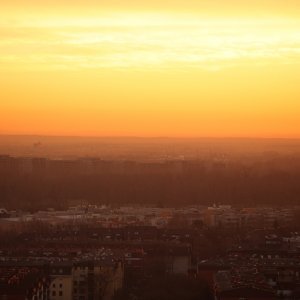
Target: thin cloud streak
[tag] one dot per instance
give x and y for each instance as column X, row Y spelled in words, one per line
column 150, row 43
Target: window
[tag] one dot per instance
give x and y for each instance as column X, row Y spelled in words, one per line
column 54, row 293
column 60, row 293
column 53, row 285
column 60, row 285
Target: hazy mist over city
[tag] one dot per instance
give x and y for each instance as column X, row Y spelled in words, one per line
column 55, row 172
column 149, row 218
column 143, row 148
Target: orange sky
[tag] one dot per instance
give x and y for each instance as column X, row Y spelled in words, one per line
column 159, row 68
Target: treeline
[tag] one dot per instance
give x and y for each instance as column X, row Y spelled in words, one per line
column 273, row 182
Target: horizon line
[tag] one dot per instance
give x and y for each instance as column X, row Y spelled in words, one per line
column 149, row 137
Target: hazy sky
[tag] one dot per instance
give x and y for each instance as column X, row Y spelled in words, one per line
column 150, row 68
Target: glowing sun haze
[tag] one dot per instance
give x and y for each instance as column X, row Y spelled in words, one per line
column 178, row 68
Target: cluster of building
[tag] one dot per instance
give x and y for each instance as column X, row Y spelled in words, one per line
column 60, row 280
column 91, row 252
column 54, row 269
column 258, row 217
column 86, row 165
column 223, row 216
column 81, row 272
column 262, row 275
